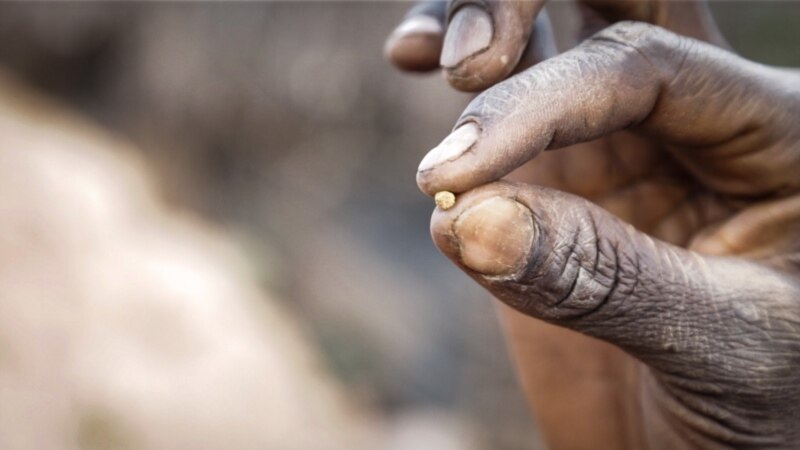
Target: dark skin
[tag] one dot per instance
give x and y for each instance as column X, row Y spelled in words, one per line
column 648, row 254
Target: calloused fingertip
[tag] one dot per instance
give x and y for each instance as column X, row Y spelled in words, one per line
column 488, row 232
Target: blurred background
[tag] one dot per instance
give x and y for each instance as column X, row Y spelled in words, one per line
column 274, row 135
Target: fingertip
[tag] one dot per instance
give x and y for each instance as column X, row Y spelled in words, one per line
column 416, row 44
column 488, row 232
column 452, row 149
column 441, row 179
column 437, row 180
column 469, row 34
column 442, row 220
column 426, row 184
column 484, row 43
column 465, row 79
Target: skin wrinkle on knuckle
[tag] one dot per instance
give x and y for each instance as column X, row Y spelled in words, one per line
column 587, row 278
column 664, row 52
column 629, row 33
column 607, row 276
column 581, row 274
column 684, row 48
column 563, row 279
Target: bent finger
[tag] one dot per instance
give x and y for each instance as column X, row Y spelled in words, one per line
column 716, row 110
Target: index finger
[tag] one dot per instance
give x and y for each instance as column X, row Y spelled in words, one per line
column 716, row 110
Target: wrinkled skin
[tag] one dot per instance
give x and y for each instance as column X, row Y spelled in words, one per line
column 663, row 227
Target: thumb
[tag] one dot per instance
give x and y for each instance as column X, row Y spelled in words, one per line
column 562, row 259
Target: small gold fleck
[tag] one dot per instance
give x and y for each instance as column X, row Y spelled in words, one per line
column 445, row 199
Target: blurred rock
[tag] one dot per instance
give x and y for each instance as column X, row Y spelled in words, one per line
column 430, row 429
column 127, row 324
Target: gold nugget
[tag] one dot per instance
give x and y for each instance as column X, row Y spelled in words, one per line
column 444, row 199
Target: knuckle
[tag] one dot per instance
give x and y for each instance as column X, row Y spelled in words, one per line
column 631, row 33
column 663, row 50
column 582, row 274
column 596, row 279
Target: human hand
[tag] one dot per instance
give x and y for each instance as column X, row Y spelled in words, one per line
column 480, row 43
column 700, row 285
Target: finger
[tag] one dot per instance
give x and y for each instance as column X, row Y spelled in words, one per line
column 560, row 258
column 416, row 44
column 768, row 231
column 484, row 41
column 716, row 111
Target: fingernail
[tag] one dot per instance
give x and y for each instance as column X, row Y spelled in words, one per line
column 469, row 32
column 452, row 146
column 495, row 236
column 421, row 24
